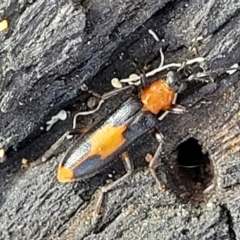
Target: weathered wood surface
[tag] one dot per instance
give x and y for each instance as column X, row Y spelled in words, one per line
column 50, row 49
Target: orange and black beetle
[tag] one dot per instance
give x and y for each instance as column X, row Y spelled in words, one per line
column 134, row 118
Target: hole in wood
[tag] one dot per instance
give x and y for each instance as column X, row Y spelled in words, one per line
column 195, row 167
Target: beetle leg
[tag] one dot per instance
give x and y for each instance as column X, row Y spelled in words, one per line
column 107, row 95
column 152, row 165
column 53, row 148
column 103, row 97
column 175, row 108
column 129, row 168
column 167, row 112
column 114, row 92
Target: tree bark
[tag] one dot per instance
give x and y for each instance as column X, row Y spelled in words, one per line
column 49, row 50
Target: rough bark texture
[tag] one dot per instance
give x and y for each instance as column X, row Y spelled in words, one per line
column 49, row 50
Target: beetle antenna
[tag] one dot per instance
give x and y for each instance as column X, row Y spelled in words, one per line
column 143, row 79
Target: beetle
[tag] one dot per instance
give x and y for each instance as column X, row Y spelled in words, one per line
column 133, row 119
